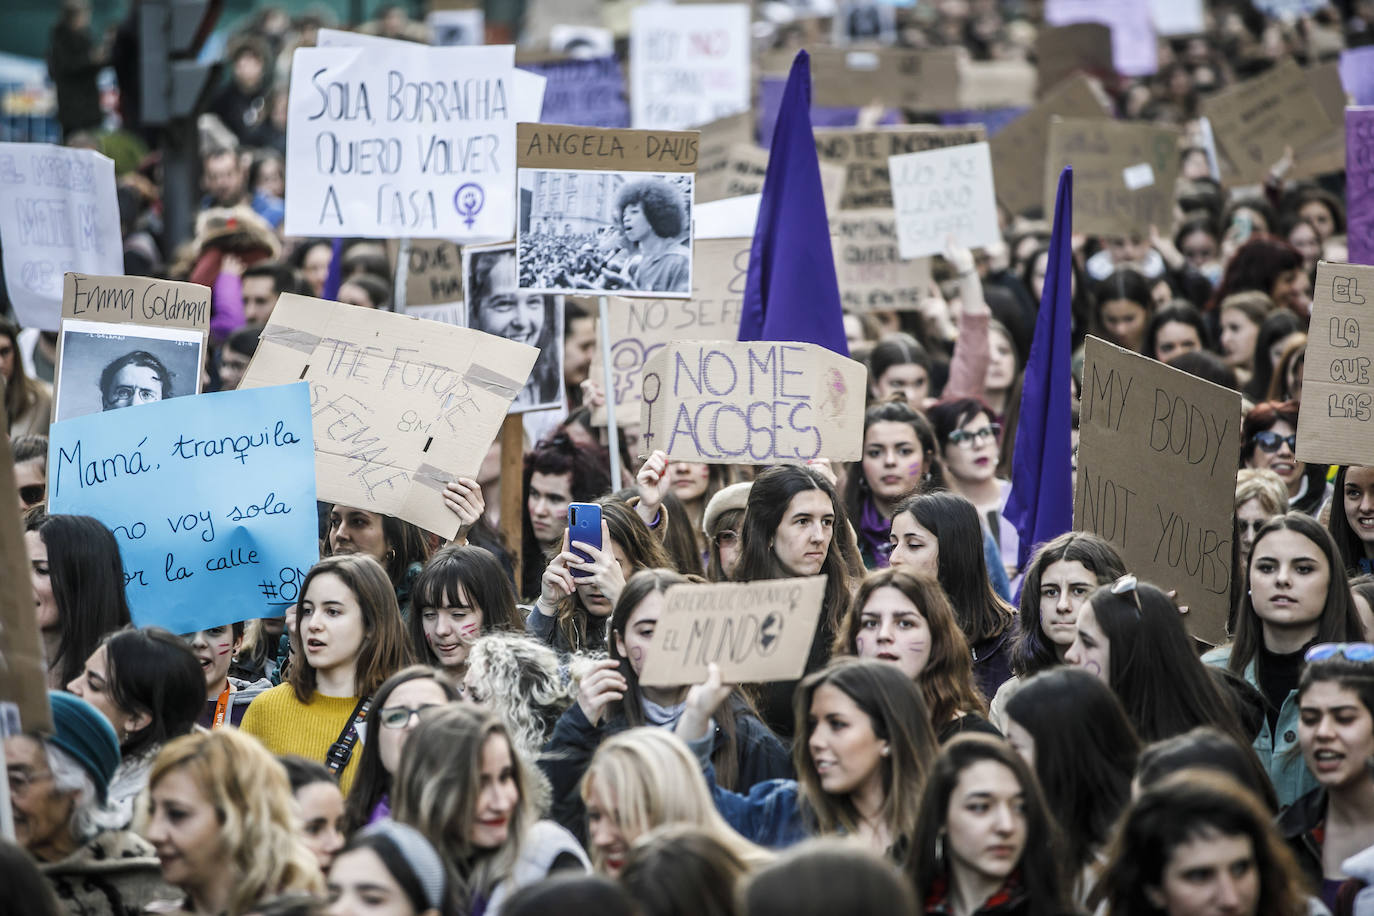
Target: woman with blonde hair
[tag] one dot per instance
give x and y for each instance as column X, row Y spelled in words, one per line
column 221, row 820
column 642, row 779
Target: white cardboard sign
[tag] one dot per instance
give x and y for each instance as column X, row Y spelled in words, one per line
column 689, row 64
column 943, row 192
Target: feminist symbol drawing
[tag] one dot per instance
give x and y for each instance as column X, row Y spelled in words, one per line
column 468, row 201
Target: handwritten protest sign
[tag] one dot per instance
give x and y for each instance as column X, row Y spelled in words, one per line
column 755, row 631
column 60, row 214
column 1123, row 174
column 1134, row 45
column 433, row 272
column 745, row 168
column 923, row 80
column 1338, row 391
column 1156, row 477
column 941, row 193
column 688, row 64
column 757, row 402
column 398, row 140
column 136, row 300
column 1256, row 119
column 871, row 272
column 1359, row 184
column 865, row 155
column 23, row 676
column 400, row 406
column 1061, row 52
column 1326, row 155
column 587, row 92
column 996, row 84
column 211, row 498
column 717, row 140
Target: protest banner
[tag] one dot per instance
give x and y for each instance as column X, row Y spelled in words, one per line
column 1018, row 150
column 1157, row 474
column 60, row 215
column 717, row 139
column 1337, row 389
column 23, row 676
column 996, row 84
column 497, row 306
column 398, row 140
column 923, row 80
column 752, row 402
column 1123, row 174
column 106, row 366
column 589, row 92
column 136, row 300
column 688, row 64
column 1327, row 155
column 941, row 193
column 400, row 406
column 1085, row 47
column 606, row 210
column 1254, row 121
column 865, row 154
column 1359, row 184
column 639, row 328
column 1135, row 50
column 433, row 272
column 746, row 165
column 212, row 501
column 754, row 631
column 871, row 272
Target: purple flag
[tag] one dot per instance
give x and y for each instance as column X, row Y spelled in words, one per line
column 1041, row 502
column 791, row 292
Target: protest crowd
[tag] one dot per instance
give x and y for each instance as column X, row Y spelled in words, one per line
column 1015, row 600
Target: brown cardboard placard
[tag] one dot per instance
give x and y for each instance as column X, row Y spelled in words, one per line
column 1123, row 174
column 996, row 84
column 1018, row 150
column 1157, row 460
column 1338, row 386
column 752, row 402
column 434, row 271
column 754, row 631
column 864, row 154
column 871, row 272
column 718, row 138
column 561, row 146
column 401, row 405
column 136, row 300
column 1254, row 121
column 923, row 80
column 23, row 676
column 1328, row 154
column 1065, row 50
column 744, row 169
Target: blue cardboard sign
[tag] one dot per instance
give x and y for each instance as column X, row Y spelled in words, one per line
column 588, row 93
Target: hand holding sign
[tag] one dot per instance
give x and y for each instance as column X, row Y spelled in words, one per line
column 652, row 481
column 702, row 702
column 463, row 496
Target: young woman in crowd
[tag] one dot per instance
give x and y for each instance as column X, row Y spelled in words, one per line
column 461, row 594
column 1004, row 371
column 390, row 868
column 147, row 684
column 30, row 470
column 1204, row 748
column 221, row 820
column 898, row 364
column 905, row 619
column 969, row 441
column 464, row 787
column 864, row 745
column 28, row 402
column 1260, row 496
column 1199, row 843
column 1275, row 333
column 1270, row 434
column 518, row 678
column 1352, row 518
column 321, row 808
column 394, row 715
column 1242, row 315
column 938, row 534
column 643, row 779
column 571, row 612
column 1059, row 579
column 399, row 546
column 1272, row 266
column 1286, row 385
column 1123, row 308
column 984, row 841
column 226, row 698
column 611, row 699
column 723, row 524
column 684, row 870
column 351, row 639
column 263, row 651
column 1174, row 330
column 1071, row 730
column 557, row 472
column 695, row 483
column 795, row 525
column 1295, row 595
column 899, row 459
column 78, row 588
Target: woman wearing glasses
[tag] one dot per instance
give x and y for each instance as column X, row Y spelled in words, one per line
column 1352, row 520
column 1270, row 440
column 969, row 450
column 1296, row 595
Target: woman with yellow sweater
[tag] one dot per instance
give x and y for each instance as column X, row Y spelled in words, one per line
column 349, row 639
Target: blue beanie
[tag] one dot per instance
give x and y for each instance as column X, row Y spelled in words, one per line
column 83, row 732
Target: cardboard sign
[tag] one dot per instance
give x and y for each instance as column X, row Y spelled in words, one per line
column 106, row 366
column 1338, row 387
column 433, row 272
column 688, row 64
column 400, row 140
column 996, row 84
column 1018, row 150
column 923, row 80
column 865, row 155
column 1135, row 48
column 59, row 215
column 401, row 406
column 1062, row 52
column 23, row 676
column 136, row 300
column 639, row 328
column 1326, row 155
column 558, row 146
column 1112, row 194
column 1157, row 475
column 942, row 193
column 1256, row 119
column 1359, row 184
column 871, row 272
column 745, row 168
column 756, row 402
column 755, row 631
column 587, row 92
column 212, row 501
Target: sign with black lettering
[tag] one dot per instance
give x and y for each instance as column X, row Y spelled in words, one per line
column 1337, row 389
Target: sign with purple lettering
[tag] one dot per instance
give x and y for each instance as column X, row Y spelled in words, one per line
column 752, row 402
column 1338, row 388
column 588, row 92
column 1359, row 184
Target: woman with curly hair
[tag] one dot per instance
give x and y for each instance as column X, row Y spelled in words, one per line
column 653, row 217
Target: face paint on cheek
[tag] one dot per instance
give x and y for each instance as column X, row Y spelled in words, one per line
column 913, row 469
column 637, row 654
column 1093, row 668
column 859, row 645
column 917, row 647
column 469, row 629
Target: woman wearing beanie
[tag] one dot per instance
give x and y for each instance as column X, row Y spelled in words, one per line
column 56, row 784
column 389, row 867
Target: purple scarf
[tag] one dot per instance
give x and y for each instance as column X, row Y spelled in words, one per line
column 873, row 533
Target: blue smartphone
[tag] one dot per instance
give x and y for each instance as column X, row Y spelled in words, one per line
column 584, row 524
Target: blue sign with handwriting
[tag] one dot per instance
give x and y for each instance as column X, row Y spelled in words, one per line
column 211, row 498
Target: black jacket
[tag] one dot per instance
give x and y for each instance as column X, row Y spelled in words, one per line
column 1301, row 825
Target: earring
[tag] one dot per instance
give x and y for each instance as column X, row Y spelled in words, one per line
column 887, row 750
column 391, row 554
column 939, row 849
